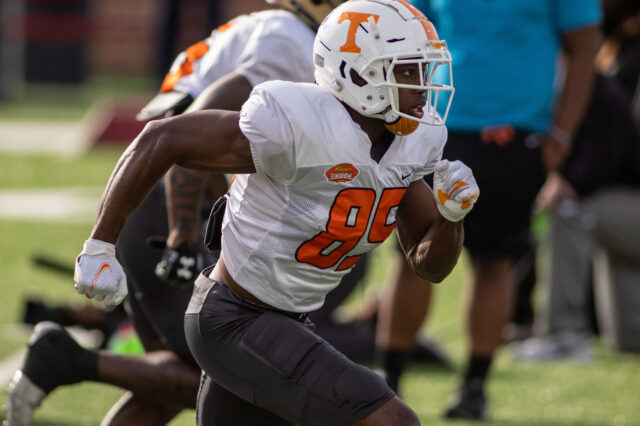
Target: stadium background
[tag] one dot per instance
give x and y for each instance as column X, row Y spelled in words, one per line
column 72, row 75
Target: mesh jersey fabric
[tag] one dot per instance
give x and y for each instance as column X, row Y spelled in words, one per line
column 314, row 180
column 261, row 46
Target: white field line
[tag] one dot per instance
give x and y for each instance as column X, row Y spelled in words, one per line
column 63, row 139
column 75, row 204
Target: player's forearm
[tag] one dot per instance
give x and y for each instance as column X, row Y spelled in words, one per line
column 201, row 140
column 580, row 50
column 183, row 192
column 438, row 252
column 140, row 167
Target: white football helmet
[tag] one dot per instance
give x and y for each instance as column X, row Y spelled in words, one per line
column 312, row 12
column 371, row 37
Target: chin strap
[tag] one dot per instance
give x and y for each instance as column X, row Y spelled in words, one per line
column 402, row 127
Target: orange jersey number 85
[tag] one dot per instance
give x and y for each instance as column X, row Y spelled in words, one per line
column 348, row 222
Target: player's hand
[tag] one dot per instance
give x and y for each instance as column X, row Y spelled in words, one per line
column 555, row 189
column 179, row 267
column 455, row 189
column 98, row 275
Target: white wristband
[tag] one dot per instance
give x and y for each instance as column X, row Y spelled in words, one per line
column 560, row 135
column 95, row 247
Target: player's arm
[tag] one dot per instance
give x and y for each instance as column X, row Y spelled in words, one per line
column 204, row 140
column 429, row 226
column 184, row 187
column 579, row 47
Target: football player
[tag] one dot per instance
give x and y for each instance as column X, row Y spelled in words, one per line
column 325, row 173
column 271, row 44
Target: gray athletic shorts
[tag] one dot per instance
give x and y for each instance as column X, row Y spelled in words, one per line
column 273, row 360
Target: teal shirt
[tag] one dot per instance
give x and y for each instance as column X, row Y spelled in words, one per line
column 504, row 56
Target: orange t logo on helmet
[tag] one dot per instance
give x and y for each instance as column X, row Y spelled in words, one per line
column 355, row 19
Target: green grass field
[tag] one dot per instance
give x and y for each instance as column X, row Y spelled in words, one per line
column 603, row 392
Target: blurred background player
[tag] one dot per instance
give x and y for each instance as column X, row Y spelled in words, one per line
column 165, row 380
column 593, row 203
column 257, row 346
column 512, row 123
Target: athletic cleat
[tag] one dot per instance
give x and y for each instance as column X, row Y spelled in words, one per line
column 469, row 402
column 24, row 398
column 567, row 346
column 53, row 359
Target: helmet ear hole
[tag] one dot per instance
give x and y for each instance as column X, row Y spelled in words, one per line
column 356, row 78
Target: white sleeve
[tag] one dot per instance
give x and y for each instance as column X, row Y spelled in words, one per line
column 434, row 156
column 270, row 133
column 275, row 58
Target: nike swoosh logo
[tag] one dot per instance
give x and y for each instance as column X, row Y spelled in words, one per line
column 405, row 176
column 95, row 279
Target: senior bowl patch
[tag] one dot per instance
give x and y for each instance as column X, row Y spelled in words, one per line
column 341, row 173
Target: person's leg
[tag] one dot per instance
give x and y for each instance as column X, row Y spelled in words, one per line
column 616, row 220
column 402, row 310
column 488, row 309
column 166, row 373
column 89, row 316
column 392, row 412
column 277, row 363
column 617, row 232
column 521, row 325
column 497, row 232
column 566, row 320
column 157, row 308
column 355, row 339
column 160, row 376
column 489, row 304
column 157, row 379
column 217, row 406
column 570, row 274
column 130, row 410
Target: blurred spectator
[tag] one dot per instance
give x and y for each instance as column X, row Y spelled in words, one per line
column 594, row 205
column 402, row 309
column 524, row 281
column 171, row 17
column 510, row 124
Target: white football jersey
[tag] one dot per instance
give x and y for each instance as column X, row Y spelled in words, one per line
column 262, row 46
column 317, row 201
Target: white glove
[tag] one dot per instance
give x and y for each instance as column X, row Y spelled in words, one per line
column 98, row 274
column 455, row 189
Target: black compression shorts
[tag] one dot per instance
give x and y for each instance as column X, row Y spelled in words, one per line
column 274, row 361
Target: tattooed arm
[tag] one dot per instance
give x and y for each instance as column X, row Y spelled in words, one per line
column 185, row 187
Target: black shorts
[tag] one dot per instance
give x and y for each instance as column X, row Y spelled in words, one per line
column 274, row 361
column 156, row 308
column 509, row 178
